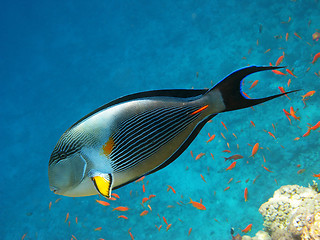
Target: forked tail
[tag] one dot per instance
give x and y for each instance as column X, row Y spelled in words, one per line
column 230, row 89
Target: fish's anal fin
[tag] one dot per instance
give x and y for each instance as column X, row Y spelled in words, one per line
column 103, row 183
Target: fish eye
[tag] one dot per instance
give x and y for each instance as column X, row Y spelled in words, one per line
column 62, row 155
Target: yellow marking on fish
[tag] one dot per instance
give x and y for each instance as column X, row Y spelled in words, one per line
column 108, row 146
column 103, row 186
column 200, row 109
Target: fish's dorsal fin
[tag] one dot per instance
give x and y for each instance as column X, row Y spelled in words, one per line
column 180, row 93
column 103, row 182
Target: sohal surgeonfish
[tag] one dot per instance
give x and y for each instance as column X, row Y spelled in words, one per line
column 139, row 134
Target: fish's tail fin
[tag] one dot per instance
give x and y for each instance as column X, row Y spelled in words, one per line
column 230, row 89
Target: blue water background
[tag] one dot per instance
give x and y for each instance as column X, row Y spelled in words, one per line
column 59, row 60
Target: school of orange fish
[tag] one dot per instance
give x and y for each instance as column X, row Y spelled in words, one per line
column 292, row 114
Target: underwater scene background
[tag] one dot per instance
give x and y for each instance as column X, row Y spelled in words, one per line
column 62, row 59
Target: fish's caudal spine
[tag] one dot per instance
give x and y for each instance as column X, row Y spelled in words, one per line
column 229, row 90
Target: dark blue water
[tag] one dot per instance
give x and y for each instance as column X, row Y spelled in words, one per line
column 61, row 60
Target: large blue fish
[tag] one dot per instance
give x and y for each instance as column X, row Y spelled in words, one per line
column 139, row 134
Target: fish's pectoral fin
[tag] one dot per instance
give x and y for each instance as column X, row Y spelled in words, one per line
column 103, row 183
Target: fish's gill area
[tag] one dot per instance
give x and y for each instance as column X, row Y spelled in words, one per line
column 62, row 59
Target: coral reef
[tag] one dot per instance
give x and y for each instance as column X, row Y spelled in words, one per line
column 261, row 235
column 293, row 213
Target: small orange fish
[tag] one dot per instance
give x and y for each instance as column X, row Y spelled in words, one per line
column 278, row 72
column 280, row 59
column 132, row 238
column 254, row 84
column 158, row 227
column 57, row 200
column 289, row 81
column 189, row 232
column 230, row 180
column 233, row 157
column 172, row 189
column 247, row 228
column 202, row 178
column 211, row 138
column 168, row 227
column 145, row 212
column 197, row 205
column 283, row 91
column 266, row 168
column 307, row 133
column 191, row 154
column 254, row 149
column 254, row 180
column 315, row 126
column 67, row 217
column 104, row 203
column 290, row 72
column 224, row 125
column 140, row 179
column 316, row 175
column 232, row 165
column 145, row 199
column 228, row 151
column 199, row 156
column 152, row 196
column 287, row 115
column 115, row 195
column 266, row 51
column 23, row 236
column 288, row 19
column 143, row 188
column 297, row 35
column 235, row 135
column 73, row 237
column 271, row 134
column 76, row 220
column 293, row 114
column 301, row 171
column 308, row 94
column 98, row 229
column 315, row 58
column 245, row 194
column 50, row 203
column 287, row 37
column 223, row 136
column 227, row 188
column 246, row 95
column 252, row 123
column 165, row 220
column 121, row 209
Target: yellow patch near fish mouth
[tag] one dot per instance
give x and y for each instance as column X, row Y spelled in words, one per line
column 108, row 146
